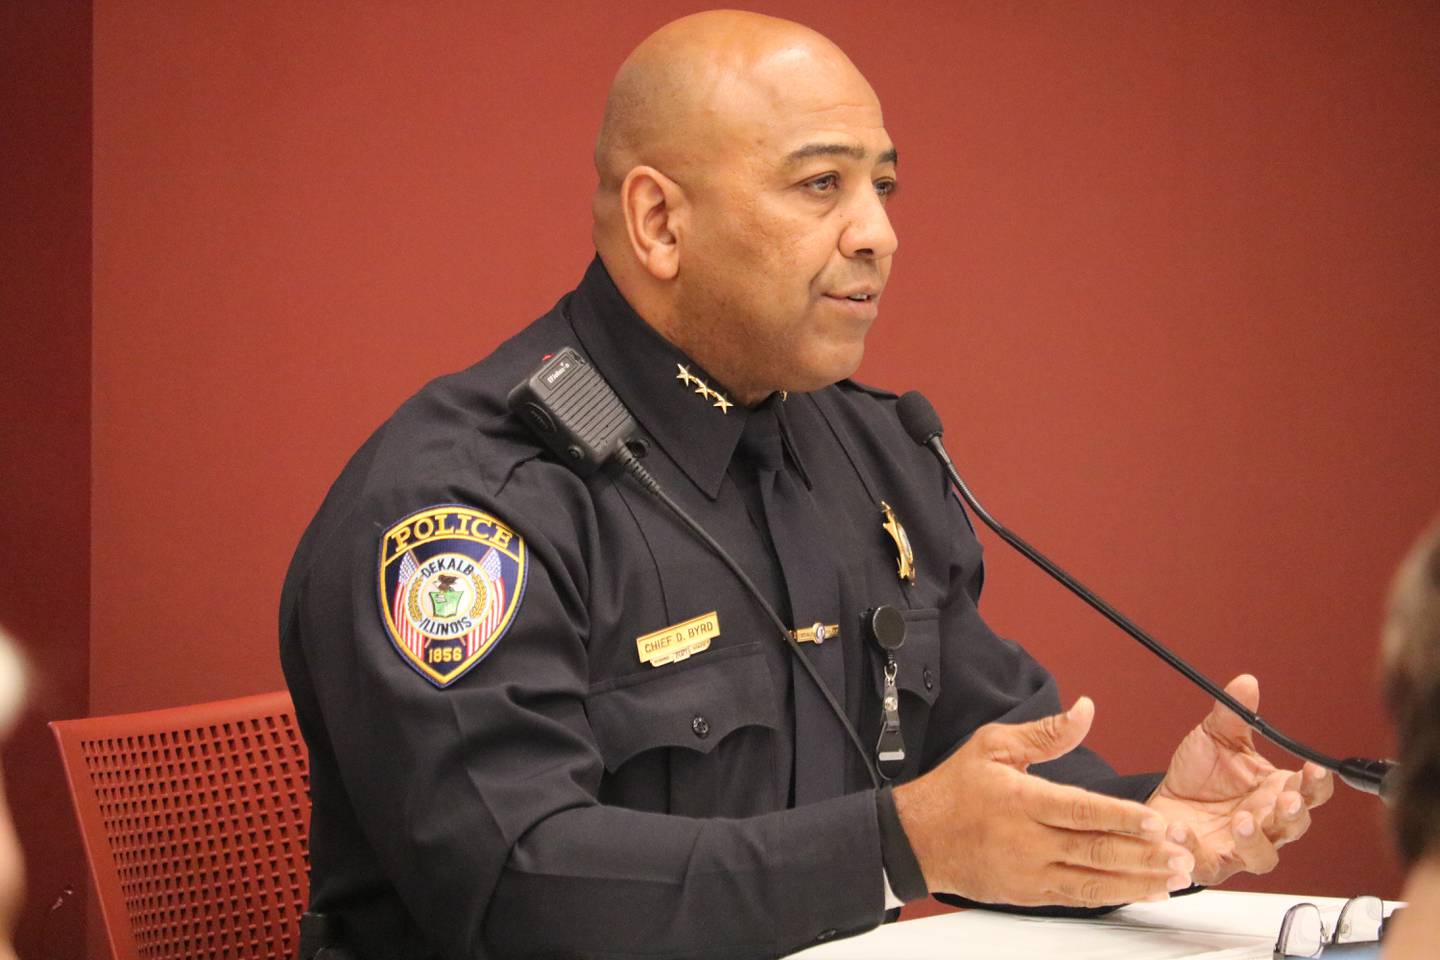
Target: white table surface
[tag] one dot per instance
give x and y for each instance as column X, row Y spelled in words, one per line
column 1211, row 924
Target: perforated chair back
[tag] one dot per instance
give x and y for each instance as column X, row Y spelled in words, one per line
column 195, row 821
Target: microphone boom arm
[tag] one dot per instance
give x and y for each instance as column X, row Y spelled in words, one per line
column 1369, row 776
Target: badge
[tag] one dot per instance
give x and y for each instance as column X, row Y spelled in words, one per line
column 906, row 559
column 451, row 579
column 678, row 642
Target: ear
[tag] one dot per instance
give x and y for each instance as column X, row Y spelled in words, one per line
column 654, row 207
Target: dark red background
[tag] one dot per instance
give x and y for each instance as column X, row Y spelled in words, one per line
column 1168, row 271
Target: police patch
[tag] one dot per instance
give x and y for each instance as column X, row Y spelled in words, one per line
column 451, row 579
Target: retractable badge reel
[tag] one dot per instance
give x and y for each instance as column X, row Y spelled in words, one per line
column 887, row 631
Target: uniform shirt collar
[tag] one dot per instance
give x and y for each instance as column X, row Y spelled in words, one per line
column 644, row 369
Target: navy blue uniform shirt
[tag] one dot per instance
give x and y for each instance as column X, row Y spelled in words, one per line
column 560, row 797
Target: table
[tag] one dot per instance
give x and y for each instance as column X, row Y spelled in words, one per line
column 1211, row 924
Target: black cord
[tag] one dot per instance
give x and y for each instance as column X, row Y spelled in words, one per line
column 1369, row 776
column 637, row 470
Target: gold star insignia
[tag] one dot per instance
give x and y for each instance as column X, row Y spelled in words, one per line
column 905, row 555
column 701, row 388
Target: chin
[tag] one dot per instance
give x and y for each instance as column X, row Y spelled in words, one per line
column 831, row 367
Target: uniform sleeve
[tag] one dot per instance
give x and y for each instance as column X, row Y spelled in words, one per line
column 480, row 799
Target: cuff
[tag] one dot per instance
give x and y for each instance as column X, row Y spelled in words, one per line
column 903, row 876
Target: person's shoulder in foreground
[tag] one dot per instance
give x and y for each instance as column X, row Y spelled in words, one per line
column 12, row 868
column 1412, row 682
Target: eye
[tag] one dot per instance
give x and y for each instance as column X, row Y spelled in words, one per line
column 886, row 187
column 825, row 183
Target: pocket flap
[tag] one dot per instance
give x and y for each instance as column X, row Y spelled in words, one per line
column 694, row 704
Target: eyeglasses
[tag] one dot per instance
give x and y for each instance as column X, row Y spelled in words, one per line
column 1358, row 931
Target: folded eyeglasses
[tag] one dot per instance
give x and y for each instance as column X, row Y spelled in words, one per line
column 1359, row 928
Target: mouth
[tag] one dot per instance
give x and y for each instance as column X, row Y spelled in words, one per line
column 859, row 296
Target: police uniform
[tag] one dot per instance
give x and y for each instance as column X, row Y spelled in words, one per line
column 543, row 717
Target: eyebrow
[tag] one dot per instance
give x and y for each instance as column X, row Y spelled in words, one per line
column 836, row 150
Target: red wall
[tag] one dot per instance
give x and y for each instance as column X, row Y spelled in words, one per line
column 45, row 433
column 1168, row 272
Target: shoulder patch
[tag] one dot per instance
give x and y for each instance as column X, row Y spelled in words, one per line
column 451, row 579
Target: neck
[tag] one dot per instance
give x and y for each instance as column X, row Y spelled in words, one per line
column 657, row 307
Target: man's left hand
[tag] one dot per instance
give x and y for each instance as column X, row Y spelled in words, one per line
column 1230, row 806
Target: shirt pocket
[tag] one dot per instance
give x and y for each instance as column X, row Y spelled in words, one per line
column 715, row 716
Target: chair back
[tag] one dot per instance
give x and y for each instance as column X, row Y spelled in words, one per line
column 195, row 823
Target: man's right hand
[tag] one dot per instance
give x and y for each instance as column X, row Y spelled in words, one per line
column 983, row 828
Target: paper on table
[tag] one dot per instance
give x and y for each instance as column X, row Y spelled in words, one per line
column 1220, row 911
column 981, row 935
column 1210, row 925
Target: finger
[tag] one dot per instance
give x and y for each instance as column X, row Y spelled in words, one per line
column 1316, row 784
column 1252, row 848
column 1224, row 724
column 1079, row 887
column 1213, row 852
column 1290, row 820
column 1021, row 744
column 1120, row 853
column 1071, row 808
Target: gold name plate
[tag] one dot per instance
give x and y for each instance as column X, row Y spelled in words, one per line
column 677, row 642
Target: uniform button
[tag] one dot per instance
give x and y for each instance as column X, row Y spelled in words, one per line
column 824, row 935
column 929, row 679
column 701, row 726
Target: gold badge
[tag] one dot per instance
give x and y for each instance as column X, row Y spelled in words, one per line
column 906, row 559
column 677, row 642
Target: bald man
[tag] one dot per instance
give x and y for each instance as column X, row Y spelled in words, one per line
column 546, row 720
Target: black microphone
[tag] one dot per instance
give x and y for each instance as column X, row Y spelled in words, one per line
column 922, row 423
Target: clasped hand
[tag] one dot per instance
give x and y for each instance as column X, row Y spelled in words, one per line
column 983, row 828
column 1232, row 808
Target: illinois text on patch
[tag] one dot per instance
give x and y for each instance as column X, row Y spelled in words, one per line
column 451, row 579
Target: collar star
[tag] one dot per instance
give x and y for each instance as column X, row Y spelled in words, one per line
column 702, row 389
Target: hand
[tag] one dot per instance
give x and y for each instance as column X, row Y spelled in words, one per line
column 983, row 828
column 1230, row 806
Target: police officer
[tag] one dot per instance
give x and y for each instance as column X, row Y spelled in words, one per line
column 545, row 719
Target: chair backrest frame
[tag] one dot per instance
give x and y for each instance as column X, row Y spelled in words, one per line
column 195, row 823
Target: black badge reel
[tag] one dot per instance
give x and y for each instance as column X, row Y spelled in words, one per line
column 886, row 627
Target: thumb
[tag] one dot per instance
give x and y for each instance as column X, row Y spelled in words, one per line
column 1222, row 723
column 1022, row 744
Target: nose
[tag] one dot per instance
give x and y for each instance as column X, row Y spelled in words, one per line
column 868, row 234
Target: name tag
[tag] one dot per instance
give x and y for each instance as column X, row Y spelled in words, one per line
column 677, row 642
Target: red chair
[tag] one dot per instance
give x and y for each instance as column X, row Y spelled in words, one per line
column 195, row 822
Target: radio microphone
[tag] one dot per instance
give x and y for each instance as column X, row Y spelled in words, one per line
column 922, row 423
